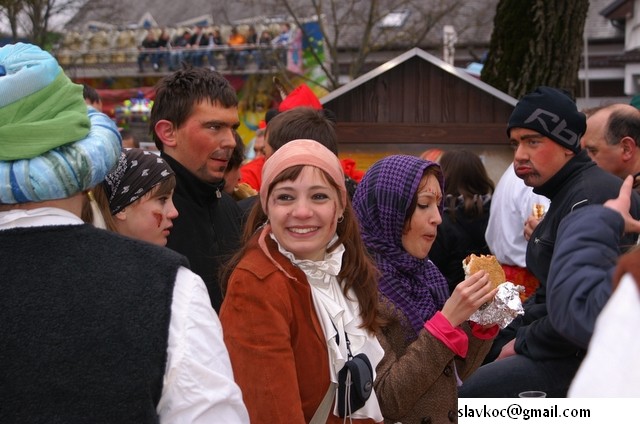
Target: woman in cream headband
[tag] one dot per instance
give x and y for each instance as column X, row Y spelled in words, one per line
column 301, row 295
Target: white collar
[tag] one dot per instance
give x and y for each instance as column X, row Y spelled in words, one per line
column 39, row 217
column 339, row 314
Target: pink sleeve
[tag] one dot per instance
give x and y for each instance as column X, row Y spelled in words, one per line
column 454, row 338
column 482, row 333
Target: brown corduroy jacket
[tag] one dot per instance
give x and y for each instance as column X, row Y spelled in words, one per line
column 275, row 341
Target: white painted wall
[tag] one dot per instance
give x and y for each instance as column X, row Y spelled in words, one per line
column 632, row 29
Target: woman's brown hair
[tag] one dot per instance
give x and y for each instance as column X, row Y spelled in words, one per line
column 466, row 176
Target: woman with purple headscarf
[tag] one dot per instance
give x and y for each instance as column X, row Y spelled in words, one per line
column 429, row 344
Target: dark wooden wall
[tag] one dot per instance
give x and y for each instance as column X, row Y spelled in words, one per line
column 418, row 102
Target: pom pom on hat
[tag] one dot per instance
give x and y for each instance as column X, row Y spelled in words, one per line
column 552, row 113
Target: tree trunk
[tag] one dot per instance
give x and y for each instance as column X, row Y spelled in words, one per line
column 12, row 8
column 37, row 10
column 535, row 42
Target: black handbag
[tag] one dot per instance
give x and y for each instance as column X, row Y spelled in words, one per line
column 355, row 383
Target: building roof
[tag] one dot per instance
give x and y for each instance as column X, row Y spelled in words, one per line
column 165, row 13
column 419, row 99
column 618, row 10
column 599, row 26
column 410, row 54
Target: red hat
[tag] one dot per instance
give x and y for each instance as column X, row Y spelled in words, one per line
column 300, row 96
column 349, row 169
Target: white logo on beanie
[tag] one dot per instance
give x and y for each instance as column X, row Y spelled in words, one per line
column 559, row 131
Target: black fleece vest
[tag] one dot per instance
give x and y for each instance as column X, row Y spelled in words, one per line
column 84, row 322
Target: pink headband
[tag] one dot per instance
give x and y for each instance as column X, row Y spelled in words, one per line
column 302, row 152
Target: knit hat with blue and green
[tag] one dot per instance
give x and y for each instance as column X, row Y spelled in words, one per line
column 52, row 145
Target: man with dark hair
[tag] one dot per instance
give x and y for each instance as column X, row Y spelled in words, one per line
column 612, row 139
column 96, row 327
column 282, row 127
column 91, row 97
column 128, row 139
column 305, row 122
column 530, row 354
column 297, row 123
column 149, row 50
column 300, row 122
column 192, row 121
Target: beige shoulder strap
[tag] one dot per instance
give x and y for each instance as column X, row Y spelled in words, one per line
column 324, row 409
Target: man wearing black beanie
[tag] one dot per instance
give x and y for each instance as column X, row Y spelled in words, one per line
column 530, row 354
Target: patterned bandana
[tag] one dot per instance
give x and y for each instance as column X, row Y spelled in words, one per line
column 381, row 201
column 138, row 171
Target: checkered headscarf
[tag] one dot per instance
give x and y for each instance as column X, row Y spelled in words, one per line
column 381, row 201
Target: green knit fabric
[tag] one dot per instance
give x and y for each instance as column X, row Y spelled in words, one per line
column 44, row 120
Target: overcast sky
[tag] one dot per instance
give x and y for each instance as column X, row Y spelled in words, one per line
column 56, row 23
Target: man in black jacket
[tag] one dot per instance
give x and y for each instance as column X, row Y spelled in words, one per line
column 192, row 122
column 545, row 130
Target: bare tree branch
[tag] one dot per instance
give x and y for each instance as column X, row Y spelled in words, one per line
column 352, row 29
column 11, row 9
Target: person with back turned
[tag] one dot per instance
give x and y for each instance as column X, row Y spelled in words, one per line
column 96, row 327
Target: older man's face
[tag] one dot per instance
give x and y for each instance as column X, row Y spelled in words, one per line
column 606, row 156
column 259, row 145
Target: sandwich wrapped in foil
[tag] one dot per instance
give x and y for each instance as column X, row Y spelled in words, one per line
column 503, row 309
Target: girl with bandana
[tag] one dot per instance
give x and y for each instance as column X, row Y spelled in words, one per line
column 429, row 345
column 301, row 295
column 135, row 198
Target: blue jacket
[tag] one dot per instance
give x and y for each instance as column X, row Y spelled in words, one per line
column 581, row 271
column 578, row 184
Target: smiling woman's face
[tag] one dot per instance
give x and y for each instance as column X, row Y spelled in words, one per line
column 421, row 230
column 304, row 213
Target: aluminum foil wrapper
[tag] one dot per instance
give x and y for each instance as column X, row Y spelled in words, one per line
column 503, row 308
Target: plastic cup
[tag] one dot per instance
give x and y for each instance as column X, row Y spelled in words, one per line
column 532, row 394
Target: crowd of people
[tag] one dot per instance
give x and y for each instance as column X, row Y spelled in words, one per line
column 260, row 46
column 143, row 287
column 202, row 46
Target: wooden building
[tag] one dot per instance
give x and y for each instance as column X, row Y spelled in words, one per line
column 415, row 102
